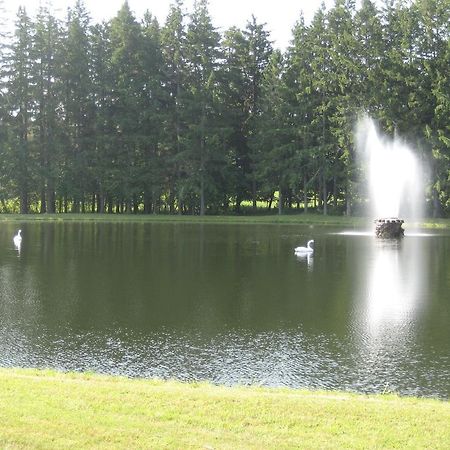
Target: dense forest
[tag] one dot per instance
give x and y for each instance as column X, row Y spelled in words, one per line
column 131, row 115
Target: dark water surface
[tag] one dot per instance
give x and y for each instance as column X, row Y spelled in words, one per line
column 230, row 304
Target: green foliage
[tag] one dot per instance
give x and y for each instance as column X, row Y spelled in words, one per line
column 131, row 116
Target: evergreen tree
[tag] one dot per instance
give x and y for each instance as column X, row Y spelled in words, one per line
column 234, row 96
column 5, row 178
column 432, row 97
column 78, row 108
column 127, row 60
column 399, row 70
column 300, row 103
column 247, row 54
column 201, row 153
column 259, row 49
column 173, row 42
column 153, row 155
column 320, row 99
column 368, row 54
column 19, row 161
column 102, row 168
column 125, row 116
column 275, row 163
column 47, row 93
column 345, row 104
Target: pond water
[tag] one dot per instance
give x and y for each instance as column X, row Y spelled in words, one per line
column 231, row 304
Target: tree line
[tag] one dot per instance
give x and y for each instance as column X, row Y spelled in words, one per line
column 133, row 116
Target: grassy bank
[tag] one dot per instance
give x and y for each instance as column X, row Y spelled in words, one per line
column 46, row 409
column 293, row 219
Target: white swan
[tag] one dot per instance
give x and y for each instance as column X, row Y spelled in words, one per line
column 17, row 239
column 307, row 249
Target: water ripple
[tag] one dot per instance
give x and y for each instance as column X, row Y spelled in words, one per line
column 236, row 357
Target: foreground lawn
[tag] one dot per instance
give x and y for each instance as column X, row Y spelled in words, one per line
column 50, row 410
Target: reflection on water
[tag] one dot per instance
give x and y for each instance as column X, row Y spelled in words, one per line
column 229, row 304
column 307, row 258
column 17, row 240
column 389, row 314
column 396, row 281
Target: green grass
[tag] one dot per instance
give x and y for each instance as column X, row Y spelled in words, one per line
column 47, row 409
column 259, row 218
column 288, row 219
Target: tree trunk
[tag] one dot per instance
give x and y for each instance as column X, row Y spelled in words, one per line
column 43, row 208
column 305, row 194
column 202, row 194
column 348, row 203
column 237, row 207
column 76, row 206
column 202, row 161
column 280, row 202
column 100, row 202
column 436, row 204
column 335, row 196
column 269, row 204
column 254, row 193
column 93, row 202
column 24, row 209
column 51, row 199
column 148, row 204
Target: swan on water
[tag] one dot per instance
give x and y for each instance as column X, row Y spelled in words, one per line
column 17, row 239
column 307, row 249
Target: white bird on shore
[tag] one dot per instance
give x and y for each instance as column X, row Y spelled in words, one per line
column 17, row 239
column 307, row 249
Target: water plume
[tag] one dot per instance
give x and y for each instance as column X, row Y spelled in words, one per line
column 394, row 176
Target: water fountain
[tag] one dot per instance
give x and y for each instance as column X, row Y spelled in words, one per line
column 394, row 179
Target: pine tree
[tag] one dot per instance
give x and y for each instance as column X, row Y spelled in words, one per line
column 202, row 140
column 173, row 43
column 47, row 93
column 300, row 102
column 77, row 104
column 432, row 96
column 275, row 160
column 247, row 54
column 154, row 156
column 4, row 116
column 368, row 54
column 258, row 55
column 102, row 168
column 21, row 104
column 322, row 81
column 127, row 59
column 344, row 104
column 234, row 94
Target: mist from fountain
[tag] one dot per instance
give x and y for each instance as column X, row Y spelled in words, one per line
column 394, row 176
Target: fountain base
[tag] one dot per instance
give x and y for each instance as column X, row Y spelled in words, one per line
column 390, row 228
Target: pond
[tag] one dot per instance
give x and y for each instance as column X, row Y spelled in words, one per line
column 231, row 304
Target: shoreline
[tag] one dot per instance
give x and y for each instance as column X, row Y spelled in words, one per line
column 269, row 219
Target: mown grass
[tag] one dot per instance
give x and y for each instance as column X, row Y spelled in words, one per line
column 259, row 218
column 47, row 409
column 293, row 219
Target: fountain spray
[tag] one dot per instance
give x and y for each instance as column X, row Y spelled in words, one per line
column 394, row 179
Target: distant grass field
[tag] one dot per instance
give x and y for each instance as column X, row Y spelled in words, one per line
column 293, row 219
column 51, row 410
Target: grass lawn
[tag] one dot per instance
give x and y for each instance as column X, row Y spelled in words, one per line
column 51, row 410
column 293, row 219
